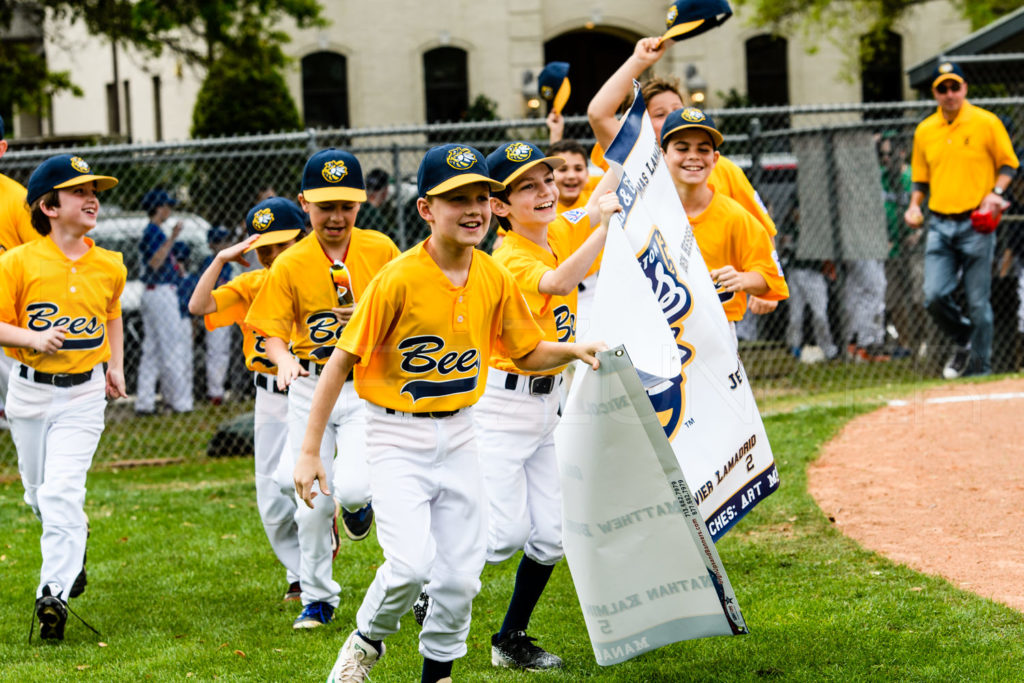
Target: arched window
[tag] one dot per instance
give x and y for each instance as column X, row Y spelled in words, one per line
column 881, row 76
column 446, row 84
column 767, row 71
column 325, row 90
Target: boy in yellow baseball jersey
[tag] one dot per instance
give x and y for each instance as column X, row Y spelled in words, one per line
column 419, row 342
column 299, row 302
column 60, row 319
column 735, row 247
column 273, row 225
column 548, row 255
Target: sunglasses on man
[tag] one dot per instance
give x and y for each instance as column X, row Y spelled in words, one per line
column 941, row 88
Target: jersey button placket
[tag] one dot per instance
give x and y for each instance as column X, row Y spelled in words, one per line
column 460, row 313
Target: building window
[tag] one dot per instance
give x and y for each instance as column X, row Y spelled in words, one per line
column 446, row 84
column 767, row 71
column 325, row 90
column 881, row 76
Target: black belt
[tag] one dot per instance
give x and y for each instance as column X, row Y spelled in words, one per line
column 540, row 385
column 63, row 380
column 267, row 382
column 962, row 216
column 315, row 369
column 436, row 413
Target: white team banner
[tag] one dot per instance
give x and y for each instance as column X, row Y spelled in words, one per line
column 707, row 409
column 645, row 568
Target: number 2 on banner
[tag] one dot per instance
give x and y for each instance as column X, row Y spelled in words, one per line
column 736, row 378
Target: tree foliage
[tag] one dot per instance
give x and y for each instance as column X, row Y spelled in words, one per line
column 197, row 31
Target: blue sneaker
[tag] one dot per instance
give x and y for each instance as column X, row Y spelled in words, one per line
column 314, row 614
column 357, row 524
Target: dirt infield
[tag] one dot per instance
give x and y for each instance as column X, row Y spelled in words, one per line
column 937, row 484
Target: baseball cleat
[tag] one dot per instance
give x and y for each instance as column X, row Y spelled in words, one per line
column 419, row 609
column 357, row 524
column 517, row 651
column 355, row 659
column 957, row 364
column 52, row 613
column 78, row 587
column 294, row 591
column 314, row 614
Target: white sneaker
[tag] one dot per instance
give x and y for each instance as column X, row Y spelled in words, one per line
column 355, row 659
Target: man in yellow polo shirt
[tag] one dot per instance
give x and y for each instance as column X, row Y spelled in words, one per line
column 964, row 160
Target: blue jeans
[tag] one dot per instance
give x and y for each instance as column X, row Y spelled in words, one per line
column 953, row 249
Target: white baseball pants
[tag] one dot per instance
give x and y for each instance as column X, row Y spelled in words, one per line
column 349, row 477
column 276, row 507
column 863, row 301
column 56, row 431
column 218, row 357
column 808, row 289
column 516, row 433
column 165, row 354
column 431, row 524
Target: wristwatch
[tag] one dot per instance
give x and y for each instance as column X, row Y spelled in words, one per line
column 998, row 190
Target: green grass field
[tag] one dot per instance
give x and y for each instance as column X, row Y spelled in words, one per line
column 182, row 586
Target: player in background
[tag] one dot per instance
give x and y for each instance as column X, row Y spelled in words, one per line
column 166, row 350
column 15, row 229
column 217, row 341
column 736, row 248
column 60, row 319
column 272, row 226
column 548, row 255
column 299, row 304
column 662, row 97
column 419, row 342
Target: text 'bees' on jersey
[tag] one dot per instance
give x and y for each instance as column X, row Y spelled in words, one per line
column 296, row 299
column 41, row 288
column 728, row 235
column 424, row 343
column 528, row 262
column 233, row 301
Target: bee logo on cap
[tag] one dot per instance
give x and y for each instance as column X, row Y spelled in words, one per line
column 693, row 115
column 460, row 158
column 334, row 171
column 672, row 14
column 518, row 152
column 78, row 163
column 945, row 68
column 262, row 219
column 547, row 92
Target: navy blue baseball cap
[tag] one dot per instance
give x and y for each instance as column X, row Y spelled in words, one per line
column 217, row 233
column 689, row 18
column 447, row 167
column 948, row 71
column 333, row 175
column 553, row 84
column 64, row 170
column 181, row 251
column 275, row 220
column 511, row 160
column 689, row 117
column 155, row 198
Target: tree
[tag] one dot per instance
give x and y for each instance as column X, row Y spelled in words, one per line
column 198, row 31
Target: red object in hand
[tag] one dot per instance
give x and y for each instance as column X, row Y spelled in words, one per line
column 985, row 221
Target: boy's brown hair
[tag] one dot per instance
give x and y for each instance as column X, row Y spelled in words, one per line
column 568, row 146
column 40, row 221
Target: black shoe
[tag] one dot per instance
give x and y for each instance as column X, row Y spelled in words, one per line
column 78, row 587
column 419, row 610
column 52, row 613
column 294, row 592
column 517, row 651
column 957, row 365
column 357, row 524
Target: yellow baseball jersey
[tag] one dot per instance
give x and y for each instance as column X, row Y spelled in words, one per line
column 528, row 262
column 15, row 225
column 296, row 299
column 727, row 234
column 730, row 180
column 960, row 160
column 233, row 302
column 41, row 288
column 423, row 343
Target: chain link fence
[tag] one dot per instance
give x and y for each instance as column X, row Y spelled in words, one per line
column 835, row 178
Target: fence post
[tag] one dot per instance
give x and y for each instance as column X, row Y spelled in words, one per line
column 311, row 145
column 831, row 176
column 754, row 131
column 398, row 202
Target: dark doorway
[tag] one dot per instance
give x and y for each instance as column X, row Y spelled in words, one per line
column 446, row 81
column 325, row 90
column 881, row 77
column 593, row 56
